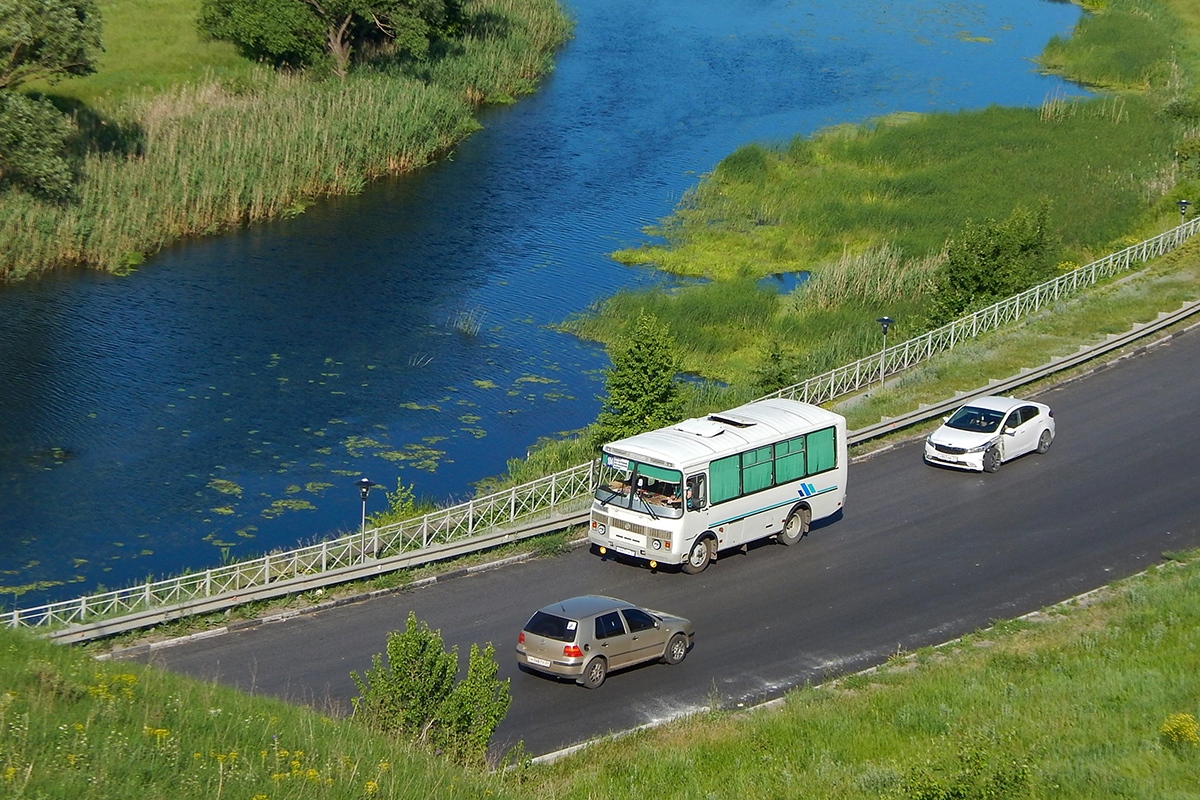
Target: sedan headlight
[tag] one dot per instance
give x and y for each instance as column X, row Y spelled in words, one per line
column 983, row 447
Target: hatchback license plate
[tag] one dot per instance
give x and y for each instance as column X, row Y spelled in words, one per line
column 541, row 662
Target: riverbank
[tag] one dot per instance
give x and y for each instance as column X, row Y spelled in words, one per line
column 868, row 210
column 249, row 145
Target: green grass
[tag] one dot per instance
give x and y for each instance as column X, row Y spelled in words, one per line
column 74, row 727
column 153, row 45
column 175, row 140
column 868, row 209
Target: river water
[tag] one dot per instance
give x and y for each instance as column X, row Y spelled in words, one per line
column 223, row 400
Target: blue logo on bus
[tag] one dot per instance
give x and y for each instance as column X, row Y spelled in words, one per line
column 807, row 490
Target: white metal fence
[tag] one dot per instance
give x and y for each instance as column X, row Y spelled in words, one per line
column 897, row 358
column 570, row 489
column 511, row 507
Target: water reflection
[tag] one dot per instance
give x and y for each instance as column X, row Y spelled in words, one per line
column 224, row 400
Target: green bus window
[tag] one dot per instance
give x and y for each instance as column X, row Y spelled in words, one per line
column 789, row 460
column 725, row 479
column 756, row 469
column 822, row 452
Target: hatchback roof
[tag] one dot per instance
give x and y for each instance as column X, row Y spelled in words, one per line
column 584, row 606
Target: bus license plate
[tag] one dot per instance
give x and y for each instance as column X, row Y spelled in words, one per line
column 626, row 550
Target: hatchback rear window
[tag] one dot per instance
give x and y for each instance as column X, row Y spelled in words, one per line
column 552, row 627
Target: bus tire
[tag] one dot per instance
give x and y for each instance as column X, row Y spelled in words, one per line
column 796, row 526
column 699, row 557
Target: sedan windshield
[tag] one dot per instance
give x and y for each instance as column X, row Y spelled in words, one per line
column 979, row 420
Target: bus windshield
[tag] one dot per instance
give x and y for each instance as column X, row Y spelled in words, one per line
column 647, row 488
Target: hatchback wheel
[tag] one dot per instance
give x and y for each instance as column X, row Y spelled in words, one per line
column 1044, row 441
column 991, row 460
column 676, row 649
column 595, row 673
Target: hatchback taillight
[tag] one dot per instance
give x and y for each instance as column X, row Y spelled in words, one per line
column 572, row 651
column 521, row 637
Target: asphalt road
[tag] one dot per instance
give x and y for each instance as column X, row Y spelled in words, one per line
column 920, row 556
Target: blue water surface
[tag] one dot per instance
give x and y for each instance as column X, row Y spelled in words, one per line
column 222, row 401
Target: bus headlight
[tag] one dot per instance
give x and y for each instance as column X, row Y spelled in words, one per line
column 655, row 544
column 601, row 528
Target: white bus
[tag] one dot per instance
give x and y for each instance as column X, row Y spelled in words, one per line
column 681, row 494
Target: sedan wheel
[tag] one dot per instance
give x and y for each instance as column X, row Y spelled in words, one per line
column 1044, row 441
column 991, row 460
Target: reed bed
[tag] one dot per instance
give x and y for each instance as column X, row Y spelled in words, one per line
column 216, row 155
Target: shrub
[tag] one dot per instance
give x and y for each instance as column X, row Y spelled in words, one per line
column 416, row 695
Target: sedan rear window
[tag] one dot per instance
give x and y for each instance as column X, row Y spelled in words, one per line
column 552, row 627
column 980, row 420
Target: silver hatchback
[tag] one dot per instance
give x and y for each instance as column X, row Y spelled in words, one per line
column 587, row 637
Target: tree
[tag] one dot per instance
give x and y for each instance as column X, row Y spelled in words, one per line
column 32, row 137
column 991, row 261
column 297, row 33
column 643, row 389
column 41, row 40
column 47, row 40
column 417, row 696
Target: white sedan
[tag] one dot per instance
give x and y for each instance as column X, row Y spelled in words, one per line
column 988, row 431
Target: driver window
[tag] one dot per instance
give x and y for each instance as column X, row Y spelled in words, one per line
column 696, row 497
column 638, row 620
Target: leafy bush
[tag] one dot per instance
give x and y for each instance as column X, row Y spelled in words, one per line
column 993, row 260
column 416, row 695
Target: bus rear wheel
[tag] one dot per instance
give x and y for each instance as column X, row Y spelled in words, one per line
column 699, row 556
column 795, row 527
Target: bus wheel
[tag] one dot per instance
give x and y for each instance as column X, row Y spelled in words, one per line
column 795, row 527
column 699, row 556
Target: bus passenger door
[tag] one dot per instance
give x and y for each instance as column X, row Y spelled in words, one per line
column 698, row 516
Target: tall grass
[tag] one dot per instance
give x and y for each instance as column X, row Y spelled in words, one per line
column 209, row 156
column 1126, row 44
column 73, row 727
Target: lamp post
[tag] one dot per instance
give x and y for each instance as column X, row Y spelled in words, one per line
column 885, row 323
column 364, row 489
column 1183, row 204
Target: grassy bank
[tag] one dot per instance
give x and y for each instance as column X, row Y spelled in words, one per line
column 73, row 727
column 245, row 144
column 868, row 209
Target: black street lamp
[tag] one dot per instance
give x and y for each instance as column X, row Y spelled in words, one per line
column 885, row 323
column 364, row 489
column 1183, row 204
